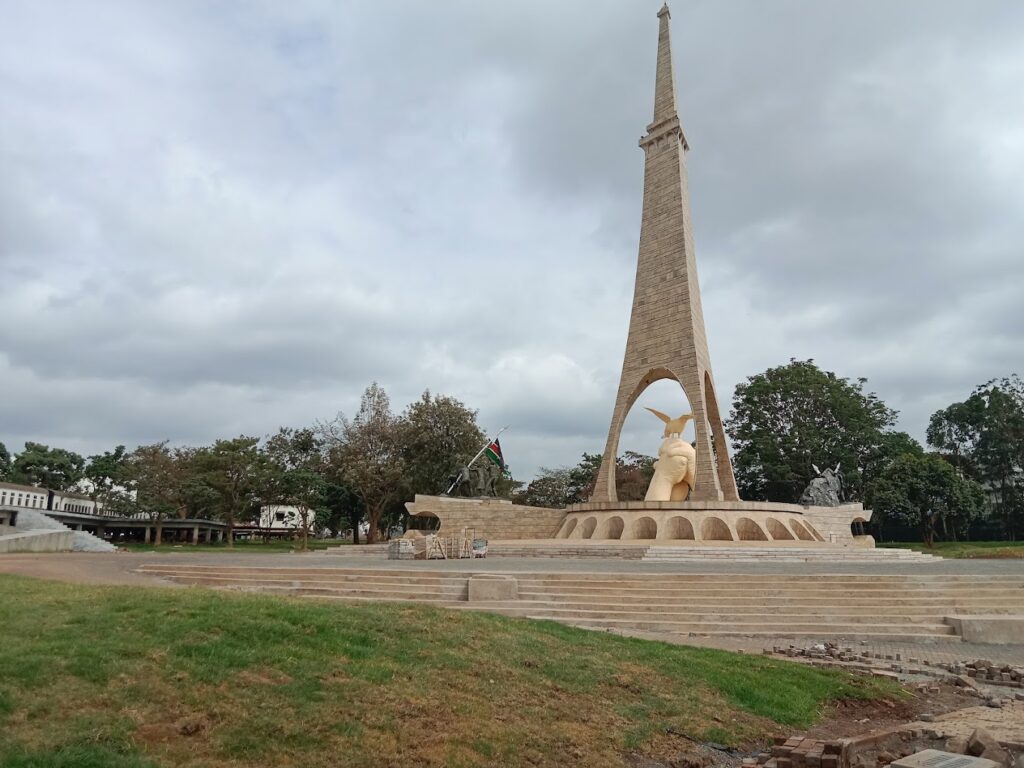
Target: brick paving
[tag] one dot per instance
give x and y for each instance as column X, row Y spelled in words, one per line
column 937, row 652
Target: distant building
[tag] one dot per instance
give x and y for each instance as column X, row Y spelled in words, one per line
column 30, row 497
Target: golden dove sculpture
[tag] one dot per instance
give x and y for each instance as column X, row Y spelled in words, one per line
column 672, row 426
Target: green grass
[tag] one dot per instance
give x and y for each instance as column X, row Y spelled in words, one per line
column 1001, row 550
column 250, row 545
column 134, row 677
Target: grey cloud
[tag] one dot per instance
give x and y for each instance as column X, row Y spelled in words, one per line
column 215, row 222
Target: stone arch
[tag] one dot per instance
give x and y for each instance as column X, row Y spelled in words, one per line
column 723, row 466
column 610, row 528
column 814, row 532
column 858, row 527
column 587, row 529
column 605, row 488
column 748, row 530
column 777, row 530
column 568, row 528
column 801, row 532
column 677, row 528
column 714, row 529
column 645, row 528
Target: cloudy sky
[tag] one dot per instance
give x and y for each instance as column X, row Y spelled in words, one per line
column 218, row 217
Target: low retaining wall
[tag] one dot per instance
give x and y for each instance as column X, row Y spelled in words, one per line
column 998, row 629
column 490, row 518
column 36, row 541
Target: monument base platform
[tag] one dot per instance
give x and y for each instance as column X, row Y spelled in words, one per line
column 751, row 522
column 754, row 523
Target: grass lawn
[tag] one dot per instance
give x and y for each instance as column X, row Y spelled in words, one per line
column 968, row 549
column 119, row 677
column 249, row 545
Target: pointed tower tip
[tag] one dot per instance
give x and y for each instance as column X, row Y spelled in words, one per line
column 664, row 11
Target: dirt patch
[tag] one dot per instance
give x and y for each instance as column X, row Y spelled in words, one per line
column 854, row 717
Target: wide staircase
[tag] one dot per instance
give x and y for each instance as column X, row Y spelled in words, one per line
column 893, row 607
column 680, row 553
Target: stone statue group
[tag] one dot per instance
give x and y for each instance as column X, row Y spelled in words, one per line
column 475, row 481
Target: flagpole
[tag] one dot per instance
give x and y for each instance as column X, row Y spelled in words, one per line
column 473, row 460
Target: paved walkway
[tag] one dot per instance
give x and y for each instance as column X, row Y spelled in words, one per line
column 116, row 567
column 937, row 652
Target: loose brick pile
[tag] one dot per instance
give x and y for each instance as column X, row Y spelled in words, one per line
column 799, row 752
column 993, row 674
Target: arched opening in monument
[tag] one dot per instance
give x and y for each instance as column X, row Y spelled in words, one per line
column 814, row 532
column 610, row 528
column 748, row 530
column 678, row 528
column 567, row 528
column 423, row 522
column 588, row 527
column 645, row 528
column 642, row 432
column 714, row 529
column 859, row 527
column 778, row 530
column 801, row 532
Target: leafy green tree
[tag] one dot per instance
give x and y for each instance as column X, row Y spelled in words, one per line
column 231, row 470
column 790, row 417
column 45, row 467
column 983, row 437
column 365, row 452
column 561, row 486
column 439, row 434
column 156, row 476
column 5, row 462
column 293, row 474
column 106, row 475
column 552, row 487
column 339, row 507
column 925, row 492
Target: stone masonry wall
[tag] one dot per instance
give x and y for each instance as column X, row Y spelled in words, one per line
column 493, row 519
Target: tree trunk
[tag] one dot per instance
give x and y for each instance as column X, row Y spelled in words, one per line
column 372, row 520
column 158, row 539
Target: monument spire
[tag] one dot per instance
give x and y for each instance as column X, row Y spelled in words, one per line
column 666, row 337
column 664, row 83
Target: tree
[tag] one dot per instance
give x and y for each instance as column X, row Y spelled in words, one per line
column 439, row 435
column 45, row 467
column 106, row 475
column 983, row 437
column 231, row 470
column 366, row 453
column 790, row 417
column 561, row 486
column 551, row 488
column 5, row 462
column 293, row 474
column 924, row 491
column 156, row 476
column 339, row 504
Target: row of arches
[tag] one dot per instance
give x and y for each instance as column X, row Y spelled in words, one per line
column 679, row 527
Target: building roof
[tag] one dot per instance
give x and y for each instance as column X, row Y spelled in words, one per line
column 30, row 488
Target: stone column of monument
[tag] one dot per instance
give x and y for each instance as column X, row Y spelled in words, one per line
column 666, row 329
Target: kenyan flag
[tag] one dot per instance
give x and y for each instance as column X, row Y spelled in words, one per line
column 493, row 452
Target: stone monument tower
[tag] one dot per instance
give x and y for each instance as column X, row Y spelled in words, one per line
column 666, row 329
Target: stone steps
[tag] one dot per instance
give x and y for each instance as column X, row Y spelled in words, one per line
column 705, row 552
column 810, row 608
column 831, row 606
